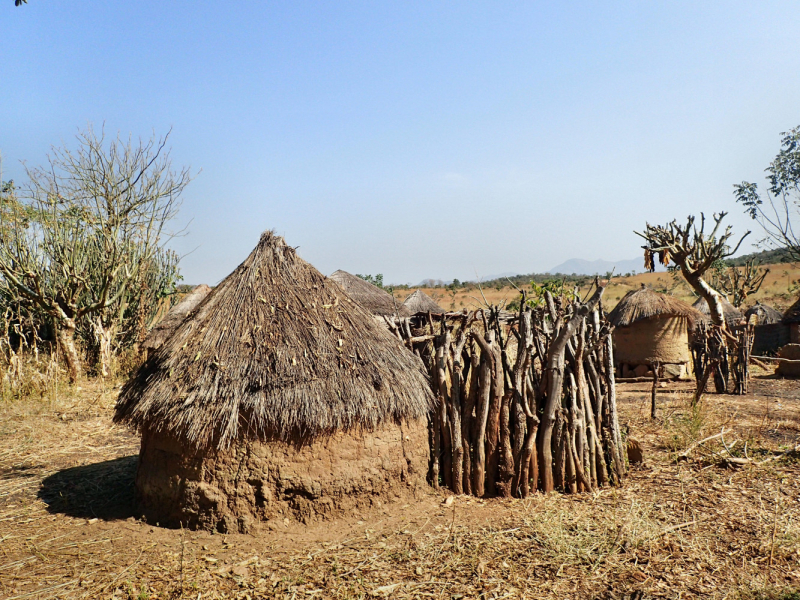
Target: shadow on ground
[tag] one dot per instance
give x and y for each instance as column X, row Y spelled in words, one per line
column 102, row 490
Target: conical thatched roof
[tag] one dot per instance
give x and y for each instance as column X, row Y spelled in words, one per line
column 164, row 328
column 645, row 303
column 766, row 314
column 730, row 312
column 420, row 302
column 276, row 351
column 792, row 314
column 371, row 297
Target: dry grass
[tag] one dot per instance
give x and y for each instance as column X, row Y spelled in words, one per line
column 693, row 529
column 779, row 290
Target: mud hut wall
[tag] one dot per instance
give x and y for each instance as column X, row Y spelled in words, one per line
column 663, row 339
column 253, row 481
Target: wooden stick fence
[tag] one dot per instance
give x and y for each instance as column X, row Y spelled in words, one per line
column 525, row 401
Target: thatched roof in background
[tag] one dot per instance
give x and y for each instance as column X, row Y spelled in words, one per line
column 420, row 302
column 645, row 303
column 164, row 328
column 732, row 314
column 374, row 299
column 792, row 314
column 766, row 314
column 276, row 351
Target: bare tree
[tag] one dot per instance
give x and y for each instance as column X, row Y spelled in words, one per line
column 693, row 252
column 87, row 224
column 739, row 282
column 777, row 210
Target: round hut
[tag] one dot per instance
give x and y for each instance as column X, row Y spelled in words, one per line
column 791, row 318
column 651, row 328
column 164, row 328
column 377, row 301
column 765, row 314
column 733, row 315
column 420, row 302
column 279, row 398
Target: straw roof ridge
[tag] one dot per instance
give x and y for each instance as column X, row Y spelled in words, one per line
column 174, row 317
column 792, row 314
column 766, row 314
column 420, row 302
column 646, row 303
column 276, row 351
column 732, row 314
column 374, row 299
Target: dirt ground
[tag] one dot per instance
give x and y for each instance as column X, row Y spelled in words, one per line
column 699, row 528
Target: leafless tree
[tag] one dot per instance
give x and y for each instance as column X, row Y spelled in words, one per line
column 693, row 251
column 740, row 282
column 85, row 226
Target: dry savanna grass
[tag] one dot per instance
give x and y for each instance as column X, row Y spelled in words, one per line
column 697, row 528
column 779, row 290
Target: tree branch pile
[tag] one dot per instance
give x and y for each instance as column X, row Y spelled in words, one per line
column 525, row 401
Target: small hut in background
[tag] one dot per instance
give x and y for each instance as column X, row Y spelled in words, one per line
column 770, row 332
column 279, row 398
column 166, row 326
column 651, row 328
column 733, row 315
column 419, row 302
column 791, row 318
column 377, row 301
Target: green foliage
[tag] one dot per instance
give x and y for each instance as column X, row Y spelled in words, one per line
column 776, row 210
column 376, row 280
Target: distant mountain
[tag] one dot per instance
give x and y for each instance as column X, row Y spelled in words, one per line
column 580, row 266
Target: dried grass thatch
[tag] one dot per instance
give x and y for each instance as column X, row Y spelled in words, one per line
column 645, row 303
column 766, row 314
column 420, row 302
column 371, row 297
column 166, row 326
column 732, row 314
column 276, row 351
column 792, row 314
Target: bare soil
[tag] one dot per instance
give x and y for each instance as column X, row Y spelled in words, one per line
column 699, row 528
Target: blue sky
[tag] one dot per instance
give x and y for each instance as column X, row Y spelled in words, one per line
column 418, row 139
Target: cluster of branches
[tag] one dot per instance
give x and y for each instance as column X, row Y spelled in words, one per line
column 526, row 401
column 82, row 243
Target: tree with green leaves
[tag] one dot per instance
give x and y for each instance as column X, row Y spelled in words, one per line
column 777, row 208
column 84, row 231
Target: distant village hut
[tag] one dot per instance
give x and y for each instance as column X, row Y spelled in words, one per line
column 377, row 301
column 651, row 328
column 791, row 318
column 280, row 398
column 419, row 302
column 770, row 333
column 174, row 317
column 732, row 315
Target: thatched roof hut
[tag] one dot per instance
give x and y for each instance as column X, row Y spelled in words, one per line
column 166, row 326
column 765, row 314
column 374, row 299
column 279, row 396
column 420, row 302
column 791, row 318
column 650, row 328
column 733, row 315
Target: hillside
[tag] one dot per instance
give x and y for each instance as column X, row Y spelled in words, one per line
column 780, row 288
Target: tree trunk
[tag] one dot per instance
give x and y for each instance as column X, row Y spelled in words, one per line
column 66, row 339
column 105, row 338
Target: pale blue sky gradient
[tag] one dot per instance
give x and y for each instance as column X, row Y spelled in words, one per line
column 416, row 139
